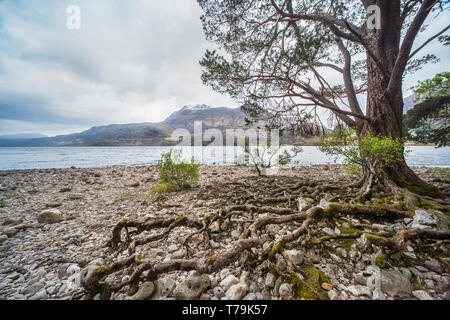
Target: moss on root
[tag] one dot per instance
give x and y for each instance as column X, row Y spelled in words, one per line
column 347, row 243
column 380, row 260
column 102, row 270
column 376, row 239
column 277, row 248
column 429, row 205
column 310, row 288
column 348, row 230
column 211, row 259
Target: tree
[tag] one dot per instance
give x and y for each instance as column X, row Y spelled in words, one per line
column 282, row 58
column 429, row 121
column 268, row 156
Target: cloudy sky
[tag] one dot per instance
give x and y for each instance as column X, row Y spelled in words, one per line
column 132, row 61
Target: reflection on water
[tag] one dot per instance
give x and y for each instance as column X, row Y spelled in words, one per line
column 85, row 157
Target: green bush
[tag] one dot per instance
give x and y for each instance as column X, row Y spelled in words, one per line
column 2, row 204
column 175, row 173
column 374, row 153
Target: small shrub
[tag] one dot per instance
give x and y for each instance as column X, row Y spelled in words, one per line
column 2, row 204
column 374, row 153
column 175, row 173
column 267, row 156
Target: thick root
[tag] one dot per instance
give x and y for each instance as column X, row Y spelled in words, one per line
column 248, row 247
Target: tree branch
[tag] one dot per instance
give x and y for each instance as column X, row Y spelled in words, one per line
column 428, row 41
column 403, row 56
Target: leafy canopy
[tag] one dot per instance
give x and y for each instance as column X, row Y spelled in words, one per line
column 429, row 121
column 272, row 55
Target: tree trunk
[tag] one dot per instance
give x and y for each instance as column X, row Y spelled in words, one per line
column 385, row 107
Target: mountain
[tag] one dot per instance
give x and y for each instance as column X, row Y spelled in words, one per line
column 218, row 118
column 143, row 134
column 408, row 103
column 13, row 140
column 153, row 134
column 22, row 136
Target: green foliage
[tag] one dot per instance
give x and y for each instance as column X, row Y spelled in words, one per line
column 267, row 156
column 175, row 173
column 432, row 88
column 429, row 121
column 374, row 153
column 273, row 64
column 2, row 204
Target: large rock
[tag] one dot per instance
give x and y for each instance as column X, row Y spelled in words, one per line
column 270, row 280
column 237, row 291
column 40, row 295
column 423, row 217
column 358, row 290
column 371, row 277
column 192, row 287
column 12, row 221
column 296, row 256
column 443, row 283
column 285, row 291
column 50, row 216
column 433, row 265
column 324, row 204
column 164, row 288
column 144, row 292
column 229, row 281
column 396, row 284
column 87, row 272
column 33, row 288
column 422, row 295
column 423, row 220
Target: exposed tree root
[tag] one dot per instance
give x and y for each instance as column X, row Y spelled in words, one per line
column 127, row 235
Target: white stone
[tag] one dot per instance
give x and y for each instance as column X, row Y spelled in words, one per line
column 229, row 281
column 359, row 290
column 145, row 291
column 424, row 218
column 332, row 294
column 296, row 256
column 270, row 280
column 250, row 296
column 378, row 294
column 285, row 291
column 236, row 292
column 422, row 295
column 172, row 248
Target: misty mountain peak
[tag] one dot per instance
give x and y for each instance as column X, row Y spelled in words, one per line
column 197, row 107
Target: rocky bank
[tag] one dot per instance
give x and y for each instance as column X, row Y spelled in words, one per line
column 55, row 224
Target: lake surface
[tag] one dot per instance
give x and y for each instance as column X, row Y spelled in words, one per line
column 87, row 157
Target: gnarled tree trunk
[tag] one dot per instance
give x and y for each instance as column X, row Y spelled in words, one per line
column 385, row 103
